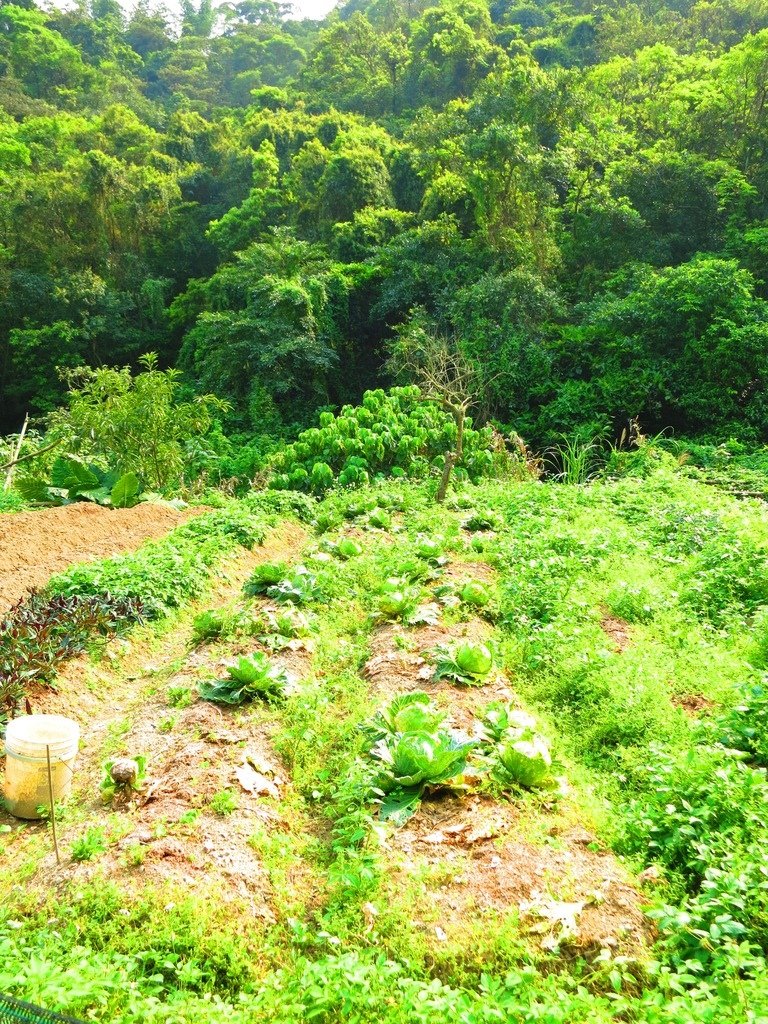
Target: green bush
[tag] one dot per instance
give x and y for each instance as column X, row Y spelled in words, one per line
column 281, row 504
column 10, row 501
column 702, row 816
column 729, row 577
column 392, row 434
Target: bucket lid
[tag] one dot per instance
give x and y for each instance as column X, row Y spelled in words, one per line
column 32, row 733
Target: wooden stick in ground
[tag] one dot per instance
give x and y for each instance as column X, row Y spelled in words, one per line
column 53, row 807
column 32, row 455
column 15, row 456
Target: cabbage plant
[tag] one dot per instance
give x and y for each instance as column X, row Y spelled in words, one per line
column 345, row 548
column 418, row 759
column 522, row 755
column 252, row 675
column 281, row 627
column 398, row 603
column 467, row 662
column 429, row 547
column 348, row 548
column 264, row 576
column 379, row 518
column 475, row 593
column 408, row 712
column 211, row 624
column 299, row 587
column 525, row 761
column 499, row 719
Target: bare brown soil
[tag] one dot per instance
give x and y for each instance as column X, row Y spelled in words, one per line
column 692, row 704
column 36, row 545
column 391, row 669
column 617, row 630
column 565, row 889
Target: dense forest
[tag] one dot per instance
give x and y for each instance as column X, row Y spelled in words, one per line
column 575, row 193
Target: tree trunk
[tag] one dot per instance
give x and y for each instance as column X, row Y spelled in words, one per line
column 442, row 490
column 454, row 457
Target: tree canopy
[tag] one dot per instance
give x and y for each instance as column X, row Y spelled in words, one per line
column 576, row 194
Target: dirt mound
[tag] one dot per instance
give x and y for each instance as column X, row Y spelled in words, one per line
column 35, row 545
column 564, row 889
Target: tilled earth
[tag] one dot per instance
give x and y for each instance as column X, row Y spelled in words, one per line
column 36, row 545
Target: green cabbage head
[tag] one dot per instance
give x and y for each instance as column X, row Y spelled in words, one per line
column 525, row 761
column 422, row 758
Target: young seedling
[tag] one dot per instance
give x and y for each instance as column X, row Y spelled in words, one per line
column 124, row 775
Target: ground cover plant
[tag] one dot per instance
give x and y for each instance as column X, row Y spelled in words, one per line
column 161, row 574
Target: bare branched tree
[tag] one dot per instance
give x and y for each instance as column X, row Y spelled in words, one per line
column 446, row 376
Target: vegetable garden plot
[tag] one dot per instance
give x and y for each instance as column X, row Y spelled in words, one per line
column 381, row 815
column 211, row 777
column 482, row 849
column 35, row 545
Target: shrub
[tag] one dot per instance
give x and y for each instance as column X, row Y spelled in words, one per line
column 729, row 576
column 392, row 434
column 137, row 423
column 633, row 603
column 703, row 816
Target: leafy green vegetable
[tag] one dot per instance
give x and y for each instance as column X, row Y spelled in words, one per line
column 281, row 628
column 421, row 758
column 429, row 547
column 345, row 548
column 252, row 675
column 264, row 576
column 348, row 548
column 475, row 593
column 408, row 712
column 109, row 785
column 499, row 718
column 522, row 755
column 289, row 622
column 482, row 521
column 209, row 625
column 380, row 519
column 525, row 761
column 299, row 587
column 467, row 663
column 73, row 479
column 399, row 604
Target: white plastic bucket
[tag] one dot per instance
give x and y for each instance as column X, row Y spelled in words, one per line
column 27, row 740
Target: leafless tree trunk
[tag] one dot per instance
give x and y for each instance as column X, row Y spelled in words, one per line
column 446, row 376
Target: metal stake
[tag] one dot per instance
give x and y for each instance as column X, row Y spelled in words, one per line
column 53, row 808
